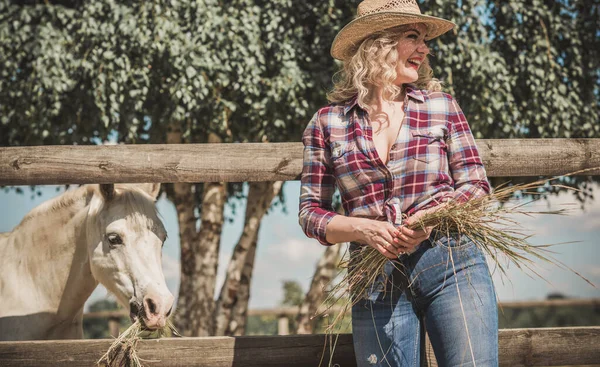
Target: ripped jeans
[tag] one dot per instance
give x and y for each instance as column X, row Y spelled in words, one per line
column 455, row 304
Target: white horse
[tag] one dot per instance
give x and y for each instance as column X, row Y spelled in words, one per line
column 53, row 260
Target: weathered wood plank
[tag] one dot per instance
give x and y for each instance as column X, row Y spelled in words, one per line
column 549, row 346
column 249, row 351
column 45, row 165
column 518, row 347
column 149, row 163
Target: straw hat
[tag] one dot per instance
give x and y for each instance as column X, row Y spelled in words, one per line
column 376, row 15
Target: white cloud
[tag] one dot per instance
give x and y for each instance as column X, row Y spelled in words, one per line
column 296, row 250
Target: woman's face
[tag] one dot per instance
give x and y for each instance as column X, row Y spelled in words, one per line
column 411, row 53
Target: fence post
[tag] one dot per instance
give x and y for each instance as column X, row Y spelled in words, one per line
column 113, row 326
column 283, row 325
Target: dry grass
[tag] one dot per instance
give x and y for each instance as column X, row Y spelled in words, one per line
column 123, row 351
column 487, row 220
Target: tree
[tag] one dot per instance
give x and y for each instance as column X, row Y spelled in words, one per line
column 323, row 276
column 83, row 72
column 293, row 294
column 232, row 305
column 87, row 72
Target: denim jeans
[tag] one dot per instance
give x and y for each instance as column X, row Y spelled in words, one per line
column 443, row 287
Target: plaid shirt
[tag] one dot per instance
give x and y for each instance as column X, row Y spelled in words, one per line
column 433, row 159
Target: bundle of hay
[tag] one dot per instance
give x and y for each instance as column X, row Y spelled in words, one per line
column 123, row 351
column 487, row 220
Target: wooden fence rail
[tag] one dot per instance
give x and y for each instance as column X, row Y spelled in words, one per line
column 518, row 347
column 46, row 165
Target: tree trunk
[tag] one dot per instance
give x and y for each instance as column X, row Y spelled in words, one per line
column 239, row 271
column 239, row 313
column 199, row 252
column 324, row 273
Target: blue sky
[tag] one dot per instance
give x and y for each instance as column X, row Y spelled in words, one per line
column 284, row 253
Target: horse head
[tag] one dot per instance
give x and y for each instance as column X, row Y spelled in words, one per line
column 125, row 238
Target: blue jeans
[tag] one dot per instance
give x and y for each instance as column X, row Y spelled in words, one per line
column 455, row 304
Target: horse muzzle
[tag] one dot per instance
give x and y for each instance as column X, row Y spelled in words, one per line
column 153, row 311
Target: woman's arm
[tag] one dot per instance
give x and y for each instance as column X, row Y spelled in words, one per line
column 466, row 167
column 317, row 184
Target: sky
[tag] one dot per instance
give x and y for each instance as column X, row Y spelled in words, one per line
column 285, row 253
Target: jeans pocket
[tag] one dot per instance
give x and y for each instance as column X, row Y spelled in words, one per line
column 452, row 241
column 383, row 284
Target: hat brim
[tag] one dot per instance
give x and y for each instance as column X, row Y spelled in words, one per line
column 349, row 38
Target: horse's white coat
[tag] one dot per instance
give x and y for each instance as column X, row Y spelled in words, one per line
column 53, row 260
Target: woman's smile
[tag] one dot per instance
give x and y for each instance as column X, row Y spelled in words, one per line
column 412, row 50
column 415, row 62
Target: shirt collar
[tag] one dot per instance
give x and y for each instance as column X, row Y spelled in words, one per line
column 411, row 90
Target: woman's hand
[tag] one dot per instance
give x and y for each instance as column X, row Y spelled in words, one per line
column 382, row 236
column 411, row 238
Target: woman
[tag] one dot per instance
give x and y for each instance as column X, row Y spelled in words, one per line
column 396, row 147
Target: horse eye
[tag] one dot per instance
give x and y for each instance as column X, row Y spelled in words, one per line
column 114, row 239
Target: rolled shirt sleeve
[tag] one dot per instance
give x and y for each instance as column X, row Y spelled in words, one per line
column 317, row 183
column 466, row 167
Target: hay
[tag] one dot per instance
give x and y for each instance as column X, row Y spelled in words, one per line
column 487, row 220
column 123, row 350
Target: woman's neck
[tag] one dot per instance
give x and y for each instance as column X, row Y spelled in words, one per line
column 378, row 101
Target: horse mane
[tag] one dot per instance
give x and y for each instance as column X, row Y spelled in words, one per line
column 132, row 196
column 65, row 200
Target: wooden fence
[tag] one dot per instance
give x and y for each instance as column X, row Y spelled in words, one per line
column 517, row 347
column 45, row 165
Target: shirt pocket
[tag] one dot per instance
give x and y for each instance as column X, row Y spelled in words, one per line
column 425, row 150
column 348, row 164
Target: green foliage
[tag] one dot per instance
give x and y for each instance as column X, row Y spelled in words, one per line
column 97, row 328
column 255, row 70
column 78, row 72
column 552, row 50
column 523, row 68
column 81, row 72
column 544, row 316
column 261, row 325
column 293, row 295
column 549, row 316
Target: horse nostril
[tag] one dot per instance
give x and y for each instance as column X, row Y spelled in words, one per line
column 150, row 306
column 169, row 313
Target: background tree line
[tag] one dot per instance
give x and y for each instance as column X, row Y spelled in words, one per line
column 227, row 71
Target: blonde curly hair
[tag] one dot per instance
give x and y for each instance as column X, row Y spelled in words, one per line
column 374, row 65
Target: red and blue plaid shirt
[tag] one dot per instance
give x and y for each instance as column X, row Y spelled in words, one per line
column 433, row 159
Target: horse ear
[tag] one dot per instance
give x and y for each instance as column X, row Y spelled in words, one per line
column 152, row 189
column 108, row 191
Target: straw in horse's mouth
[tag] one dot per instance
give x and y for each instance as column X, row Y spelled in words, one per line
column 138, row 313
column 135, row 312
